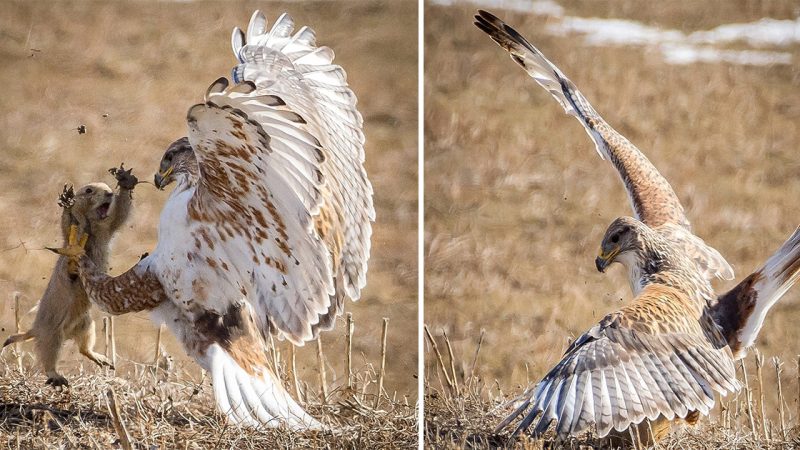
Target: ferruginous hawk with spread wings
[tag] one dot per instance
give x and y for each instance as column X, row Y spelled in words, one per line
column 663, row 356
column 268, row 227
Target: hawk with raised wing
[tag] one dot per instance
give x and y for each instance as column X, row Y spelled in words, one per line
column 653, row 200
column 665, row 355
column 268, row 227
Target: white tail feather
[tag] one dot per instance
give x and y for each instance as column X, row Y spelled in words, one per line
column 250, row 400
column 778, row 275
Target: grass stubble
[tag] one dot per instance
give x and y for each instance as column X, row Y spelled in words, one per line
column 516, row 202
column 159, row 405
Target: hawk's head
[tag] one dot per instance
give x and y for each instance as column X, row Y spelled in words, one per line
column 178, row 164
column 624, row 242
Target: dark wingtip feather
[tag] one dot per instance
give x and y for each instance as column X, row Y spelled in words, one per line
column 512, row 416
column 487, row 22
column 505, row 36
column 527, row 421
column 484, row 27
column 486, row 15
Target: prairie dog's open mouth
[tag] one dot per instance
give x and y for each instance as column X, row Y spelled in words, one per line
column 102, row 210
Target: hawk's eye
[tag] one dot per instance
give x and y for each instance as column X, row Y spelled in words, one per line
column 88, row 190
column 615, row 238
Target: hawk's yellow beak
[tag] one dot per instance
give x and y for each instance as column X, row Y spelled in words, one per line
column 162, row 178
column 604, row 259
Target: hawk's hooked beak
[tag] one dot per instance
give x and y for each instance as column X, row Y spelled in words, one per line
column 603, row 260
column 161, row 179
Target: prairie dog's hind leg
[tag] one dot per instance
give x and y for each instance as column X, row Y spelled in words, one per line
column 48, row 349
column 85, row 338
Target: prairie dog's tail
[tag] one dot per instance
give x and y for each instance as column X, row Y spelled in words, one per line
column 741, row 311
column 22, row 337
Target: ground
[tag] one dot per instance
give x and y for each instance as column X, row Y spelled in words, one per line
column 125, row 73
column 165, row 411
column 517, row 200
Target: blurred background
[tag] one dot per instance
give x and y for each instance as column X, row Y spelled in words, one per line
column 517, row 199
column 128, row 71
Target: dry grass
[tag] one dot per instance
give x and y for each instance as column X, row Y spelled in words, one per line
column 173, row 410
column 517, row 200
column 128, row 71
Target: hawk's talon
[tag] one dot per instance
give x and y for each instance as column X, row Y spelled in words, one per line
column 75, row 247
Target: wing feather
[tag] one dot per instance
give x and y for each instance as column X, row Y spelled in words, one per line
column 653, row 400
column 651, row 196
column 568, row 404
column 646, row 387
column 282, row 193
column 304, row 75
column 626, row 370
column 584, row 413
column 605, row 423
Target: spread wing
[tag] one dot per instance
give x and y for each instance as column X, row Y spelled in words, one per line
column 282, row 189
column 258, row 190
column 275, row 60
column 657, row 356
column 652, row 198
column 290, row 90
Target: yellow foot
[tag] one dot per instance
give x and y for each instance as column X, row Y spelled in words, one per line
column 75, row 247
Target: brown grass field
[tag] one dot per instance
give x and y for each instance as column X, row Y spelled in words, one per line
column 129, row 71
column 517, row 200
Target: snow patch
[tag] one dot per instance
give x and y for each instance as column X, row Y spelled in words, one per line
column 675, row 46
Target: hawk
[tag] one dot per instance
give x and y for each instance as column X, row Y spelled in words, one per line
column 268, row 227
column 665, row 355
column 652, row 199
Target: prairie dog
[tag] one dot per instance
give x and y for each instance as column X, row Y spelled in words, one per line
column 63, row 311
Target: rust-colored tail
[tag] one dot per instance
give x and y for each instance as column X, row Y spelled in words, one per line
column 742, row 310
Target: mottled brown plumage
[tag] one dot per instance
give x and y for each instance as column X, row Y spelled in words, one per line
column 660, row 357
column 133, row 291
column 665, row 355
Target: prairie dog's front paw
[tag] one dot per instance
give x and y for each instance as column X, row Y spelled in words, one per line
column 125, row 178
column 67, row 197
